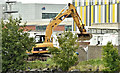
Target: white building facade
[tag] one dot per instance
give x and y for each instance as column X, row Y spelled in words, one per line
column 38, row 16
column 101, row 18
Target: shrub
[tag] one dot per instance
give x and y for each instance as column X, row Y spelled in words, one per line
column 111, row 58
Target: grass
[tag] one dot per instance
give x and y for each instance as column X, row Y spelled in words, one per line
column 92, row 64
column 41, row 64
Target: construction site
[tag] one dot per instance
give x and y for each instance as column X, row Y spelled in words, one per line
column 96, row 22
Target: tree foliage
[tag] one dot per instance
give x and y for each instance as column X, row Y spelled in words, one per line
column 0, row 47
column 15, row 42
column 65, row 56
column 110, row 57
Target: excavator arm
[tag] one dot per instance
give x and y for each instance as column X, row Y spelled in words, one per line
column 70, row 11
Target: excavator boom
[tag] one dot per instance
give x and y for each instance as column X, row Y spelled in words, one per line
column 70, row 11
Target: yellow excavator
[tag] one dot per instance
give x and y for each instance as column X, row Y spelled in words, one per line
column 69, row 11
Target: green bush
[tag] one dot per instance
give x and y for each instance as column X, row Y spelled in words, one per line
column 65, row 56
column 95, row 61
column 111, row 58
column 15, row 42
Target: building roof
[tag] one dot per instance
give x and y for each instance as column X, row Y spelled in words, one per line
column 105, row 26
column 45, row 22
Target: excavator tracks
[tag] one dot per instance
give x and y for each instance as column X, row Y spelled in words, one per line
column 41, row 57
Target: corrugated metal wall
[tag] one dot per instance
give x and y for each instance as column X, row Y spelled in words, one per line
column 98, row 11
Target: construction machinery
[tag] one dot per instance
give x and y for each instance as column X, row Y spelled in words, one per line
column 69, row 11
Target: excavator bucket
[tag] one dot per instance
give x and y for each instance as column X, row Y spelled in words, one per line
column 84, row 36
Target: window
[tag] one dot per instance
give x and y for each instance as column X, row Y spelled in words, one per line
column 90, row 30
column 94, row 30
column 91, row 2
column 98, row 30
column 41, row 28
column 40, row 48
column 40, row 38
column 48, row 15
column 104, row 31
column 110, row 31
column 79, row 3
column 110, row 2
column 98, row 3
column 73, row 2
column 67, row 28
column 114, row 31
column 101, row 2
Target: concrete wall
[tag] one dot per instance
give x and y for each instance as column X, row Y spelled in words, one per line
column 94, row 52
column 82, row 54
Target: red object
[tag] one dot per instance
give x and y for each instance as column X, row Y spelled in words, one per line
column 28, row 28
column 60, row 28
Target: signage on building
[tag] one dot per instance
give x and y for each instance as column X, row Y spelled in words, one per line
column 43, row 8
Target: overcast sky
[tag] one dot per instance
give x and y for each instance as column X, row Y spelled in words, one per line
column 44, row 1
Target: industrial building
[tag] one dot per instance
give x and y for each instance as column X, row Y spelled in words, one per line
column 1, row 11
column 38, row 15
column 1, row 8
column 101, row 18
column 98, row 11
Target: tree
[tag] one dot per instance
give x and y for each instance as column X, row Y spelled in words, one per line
column 65, row 56
column 0, row 47
column 110, row 57
column 15, row 42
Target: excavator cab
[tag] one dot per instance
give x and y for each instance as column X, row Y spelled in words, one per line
column 40, row 38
